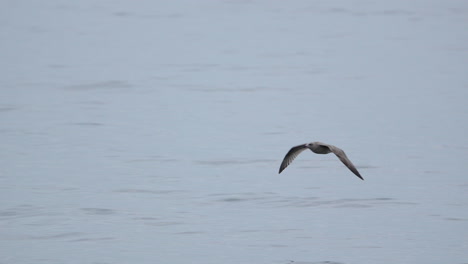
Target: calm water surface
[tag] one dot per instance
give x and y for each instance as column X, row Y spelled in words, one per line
column 153, row 132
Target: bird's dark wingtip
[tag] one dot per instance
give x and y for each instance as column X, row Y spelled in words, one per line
column 281, row 169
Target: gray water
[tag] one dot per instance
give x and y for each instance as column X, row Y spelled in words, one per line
column 152, row 131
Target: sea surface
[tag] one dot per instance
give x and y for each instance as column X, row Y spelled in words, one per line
column 152, row 131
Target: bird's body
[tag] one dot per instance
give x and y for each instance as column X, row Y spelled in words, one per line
column 319, row 148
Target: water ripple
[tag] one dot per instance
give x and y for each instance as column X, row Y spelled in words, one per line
column 233, row 162
column 98, row 211
column 112, row 84
column 275, row 200
column 56, row 236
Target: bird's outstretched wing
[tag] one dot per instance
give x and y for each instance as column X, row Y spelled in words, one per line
column 291, row 155
column 342, row 156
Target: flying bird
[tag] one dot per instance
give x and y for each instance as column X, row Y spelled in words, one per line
column 319, row 148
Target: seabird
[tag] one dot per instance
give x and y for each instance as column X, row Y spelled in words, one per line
column 319, row 148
